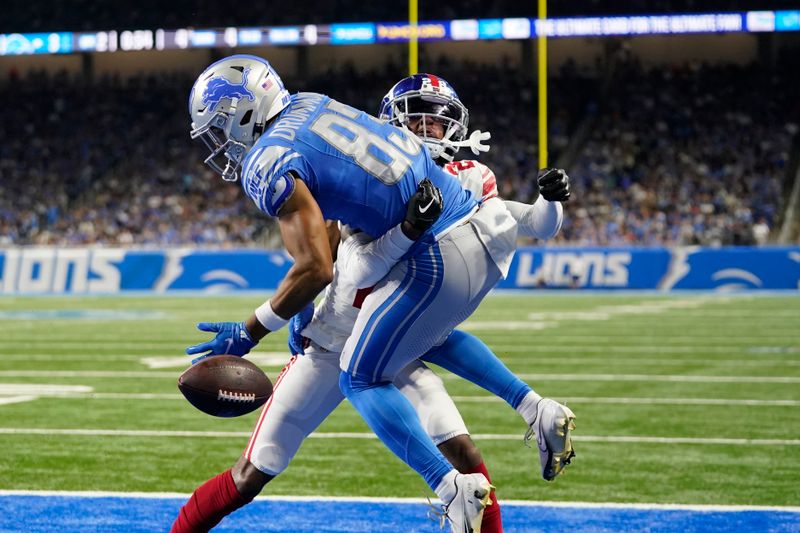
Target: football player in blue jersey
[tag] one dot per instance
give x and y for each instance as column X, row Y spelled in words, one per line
column 306, row 158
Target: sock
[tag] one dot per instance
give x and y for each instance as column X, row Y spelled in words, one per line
column 211, row 502
column 446, row 489
column 527, row 407
column 393, row 419
column 492, row 522
column 466, row 356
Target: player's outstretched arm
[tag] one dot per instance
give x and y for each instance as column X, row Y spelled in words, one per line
column 305, row 237
column 363, row 263
column 543, row 219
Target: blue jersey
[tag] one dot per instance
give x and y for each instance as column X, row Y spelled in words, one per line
column 361, row 171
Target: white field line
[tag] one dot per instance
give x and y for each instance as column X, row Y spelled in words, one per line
column 650, row 377
column 182, row 361
column 539, row 377
column 122, row 356
column 279, row 362
column 636, row 361
column 627, row 335
column 371, row 436
column 497, row 327
column 461, row 399
column 411, row 501
column 43, row 389
column 648, row 401
column 85, row 374
column 502, row 327
column 546, row 320
column 15, row 399
column 502, row 349
column 577, row 349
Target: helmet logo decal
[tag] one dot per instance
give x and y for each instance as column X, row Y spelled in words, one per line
column 431, row 84
column 220, row 87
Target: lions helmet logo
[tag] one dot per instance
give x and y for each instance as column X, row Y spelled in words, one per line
column 220, row 87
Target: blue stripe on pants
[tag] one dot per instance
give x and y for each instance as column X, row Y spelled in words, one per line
column 388, row 324
column 387, row 412
column 401, row 328
column 375, row 316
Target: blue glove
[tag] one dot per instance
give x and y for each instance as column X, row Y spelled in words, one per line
column 232, row 339
column 297, row 324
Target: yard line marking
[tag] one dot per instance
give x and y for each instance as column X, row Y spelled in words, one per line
column 117, row 396
column 573, row 348
column 16, row 399
column 547, row 320
column 665, row 337
column 371, row 436
column 686, row 440
column 410, row 501
column 42, row 389
column 541, row 377
column 183, row 361
column 85, row 374
column 499, row 325
column 652, row 377
column 647, row 401
column 653, row 362
column 498, row 347
column 465, row 399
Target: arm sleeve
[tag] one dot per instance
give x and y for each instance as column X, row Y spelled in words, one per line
column 541, row 220
column 364, row 264
column 268, row 176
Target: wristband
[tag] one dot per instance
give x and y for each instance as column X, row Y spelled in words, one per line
column 269, row 318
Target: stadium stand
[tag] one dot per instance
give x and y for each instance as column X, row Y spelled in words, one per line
column 679, row 155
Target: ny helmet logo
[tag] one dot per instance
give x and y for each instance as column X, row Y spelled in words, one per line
column 220, row 87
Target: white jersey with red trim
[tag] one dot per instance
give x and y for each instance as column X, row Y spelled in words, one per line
column 336, row 313
column 474, row 176
column 496, row 225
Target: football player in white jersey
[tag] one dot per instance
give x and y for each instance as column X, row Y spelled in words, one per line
column 429, row 107
column 292, row 413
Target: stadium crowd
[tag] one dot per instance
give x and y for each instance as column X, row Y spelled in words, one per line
column 677, row 155
column 684, row 155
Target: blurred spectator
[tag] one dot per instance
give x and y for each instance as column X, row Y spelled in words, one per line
column 682, row 155
column 761, row 231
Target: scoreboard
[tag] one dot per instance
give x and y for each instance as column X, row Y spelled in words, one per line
column 386, row 32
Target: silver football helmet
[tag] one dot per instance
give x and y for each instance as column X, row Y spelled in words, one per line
column 229, row 105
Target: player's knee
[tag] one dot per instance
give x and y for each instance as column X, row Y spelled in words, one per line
column 249, row 480
column 462, row 453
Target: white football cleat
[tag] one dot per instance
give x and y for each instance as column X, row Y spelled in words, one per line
column 552, row 427
column 465, row 511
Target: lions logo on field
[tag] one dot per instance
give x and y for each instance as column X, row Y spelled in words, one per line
column 220, row 87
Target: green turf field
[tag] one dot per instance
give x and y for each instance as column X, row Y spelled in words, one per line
column 679, row 399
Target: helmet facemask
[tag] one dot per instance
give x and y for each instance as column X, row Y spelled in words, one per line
column 449, row 112
column 226, row 153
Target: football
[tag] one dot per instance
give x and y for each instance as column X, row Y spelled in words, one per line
column 225, row 386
